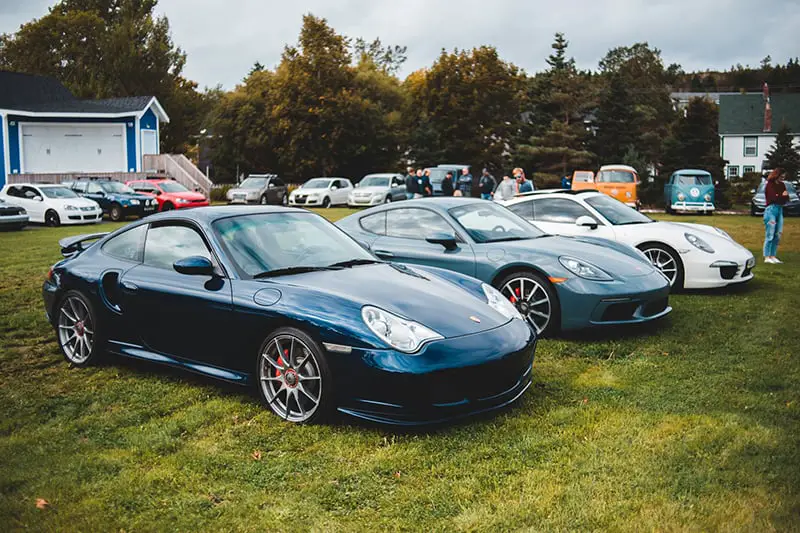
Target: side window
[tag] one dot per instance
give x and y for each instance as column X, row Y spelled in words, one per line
column 523, row 209
column 558, row 210
column 415, row 223
column 167, row 244
column 94, row 188
column 16, row 192
column 79, row 186
column 128, row 245
column 30, row 193
column 277, row 182
column 374, row 223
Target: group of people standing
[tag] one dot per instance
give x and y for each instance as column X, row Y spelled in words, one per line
column 418, row 184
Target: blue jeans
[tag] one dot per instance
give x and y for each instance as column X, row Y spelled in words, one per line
column 486, row 196
column 409, row 195
column 773, row 222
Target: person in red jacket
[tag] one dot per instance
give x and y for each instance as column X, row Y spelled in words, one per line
column 776, row 195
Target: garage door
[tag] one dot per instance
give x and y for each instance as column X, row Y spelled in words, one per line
column 73, row 148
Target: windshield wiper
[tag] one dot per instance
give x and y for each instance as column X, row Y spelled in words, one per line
column 506, row 239
column 630, row 222
column 354, row 262
column 290, row 270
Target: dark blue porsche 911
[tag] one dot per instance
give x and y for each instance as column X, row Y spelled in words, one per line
column 282, row 299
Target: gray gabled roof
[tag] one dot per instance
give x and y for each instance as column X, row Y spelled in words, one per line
column 743, row 114
column 41, row 94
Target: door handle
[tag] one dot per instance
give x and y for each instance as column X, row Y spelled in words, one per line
column 128, row 286
column 383, row 253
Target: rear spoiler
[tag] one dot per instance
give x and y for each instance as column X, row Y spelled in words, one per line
column 74, row 245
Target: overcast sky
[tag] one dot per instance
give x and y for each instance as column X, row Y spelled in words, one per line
column 223, row 38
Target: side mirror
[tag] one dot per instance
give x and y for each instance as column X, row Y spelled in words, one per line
column 271, row 186
column 38, row 198
column 448, row 240
column 194, row 266
column 334, row 187
column 586, row 222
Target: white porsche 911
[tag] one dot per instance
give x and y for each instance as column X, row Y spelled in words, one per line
column 691, row 256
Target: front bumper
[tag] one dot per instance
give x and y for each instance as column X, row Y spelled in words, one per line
column 792, row 209
column 243, row 199
column 199, row 203
column 364, row 202
column 693, row 206
column 304, row 201
column 587, row 303
column 141, row 210
column 446, row 380
column 81, row 216
column 707, row 271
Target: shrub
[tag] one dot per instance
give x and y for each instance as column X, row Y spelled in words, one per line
column 219, row 192
column 740, row 189
column 542, row 180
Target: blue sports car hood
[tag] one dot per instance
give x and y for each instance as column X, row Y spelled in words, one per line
column 413, row 294
column 618, row 264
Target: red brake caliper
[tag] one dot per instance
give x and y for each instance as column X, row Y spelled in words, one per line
column 513, row 297
column 280, row 362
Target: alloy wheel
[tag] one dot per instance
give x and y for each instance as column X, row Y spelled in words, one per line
column 290, row 378
column 531, row 299
column 75, row 330
column 52, row 219
column 663, row 261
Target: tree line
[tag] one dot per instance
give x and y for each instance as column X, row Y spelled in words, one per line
column 336, row 106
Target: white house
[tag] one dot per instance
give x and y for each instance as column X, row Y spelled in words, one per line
column 748, row 125
column 47, row 131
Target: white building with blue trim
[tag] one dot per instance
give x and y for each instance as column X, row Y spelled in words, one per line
column 47, row 132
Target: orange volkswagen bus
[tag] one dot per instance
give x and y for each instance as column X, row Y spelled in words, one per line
column 620, row 182
column 583, row 179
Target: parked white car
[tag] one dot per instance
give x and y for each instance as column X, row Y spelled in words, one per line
column 52, row 204
column 323, row 192
column 374, row 189
column 691, row 256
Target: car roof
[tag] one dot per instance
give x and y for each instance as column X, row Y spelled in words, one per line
column 440, row 202
column 383, row 174
column 618, row 167
column 691, row 171
column 211, row 213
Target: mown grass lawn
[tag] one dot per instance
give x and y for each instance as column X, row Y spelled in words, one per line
column 690, row 424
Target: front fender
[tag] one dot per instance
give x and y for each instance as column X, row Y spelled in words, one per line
column 615, row 245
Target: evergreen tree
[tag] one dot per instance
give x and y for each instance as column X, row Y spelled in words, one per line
column 616, row 122
column 784, row 153
column 693, row 141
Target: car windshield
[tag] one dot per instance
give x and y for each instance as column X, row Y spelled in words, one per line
column 265, row 242
column 253, row 183
column 58, row 192
column 616, row 212
column 115, row 187
column 487, row 222
column 317, row 183
column 615, row 176
column 375, row 181
column 698, row 179
column 172, row 186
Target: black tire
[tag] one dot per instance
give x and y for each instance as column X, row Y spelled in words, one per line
column 668, row 210
column 264, row 200
column 517, row 285
column 326, row 202
column 388, row 199
column 75, row 308
column 116, row 213
column 653, row 250
column 285, row 199
column 167, row 206
column 753, row 211
column 52, row 219
column 270, row 377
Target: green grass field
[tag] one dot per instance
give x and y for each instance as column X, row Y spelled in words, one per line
column 692, row 423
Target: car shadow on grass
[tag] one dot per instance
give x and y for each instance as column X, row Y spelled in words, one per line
column 616, row 332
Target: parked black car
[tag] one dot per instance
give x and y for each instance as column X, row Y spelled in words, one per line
column 117, row 200
column 759, row 202
column 12, row 216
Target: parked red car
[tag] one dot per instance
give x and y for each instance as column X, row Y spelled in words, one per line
column 169, row 193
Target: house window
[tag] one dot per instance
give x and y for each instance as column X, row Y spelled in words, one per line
column 733, row 171
column 750, row 146
column 748, row 168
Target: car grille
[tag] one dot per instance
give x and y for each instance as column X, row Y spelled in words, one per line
column 620, row 311
column 728, row 272
column 198, row 201
column 654, row 307
column 746, row 272
column 300, row 199
column 89, row 208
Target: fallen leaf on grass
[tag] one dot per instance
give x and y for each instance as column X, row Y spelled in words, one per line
column 397, row 475
column 257, row 455
column 41, row 503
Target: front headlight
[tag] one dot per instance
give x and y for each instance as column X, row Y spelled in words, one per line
column 134, row 202
column 182, row 200
column 723, row 233
column 583, row 269
column 707, row 197
column 229, row 195
column 499, row 303
column 698, row 243
column 681, row 197
column 70, row 208
column 628, row 194
column 401, row 334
